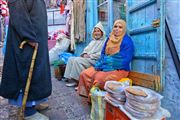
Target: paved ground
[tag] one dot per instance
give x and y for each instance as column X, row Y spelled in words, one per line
column 64, row 103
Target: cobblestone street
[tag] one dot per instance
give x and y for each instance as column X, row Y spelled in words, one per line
column 64, row 104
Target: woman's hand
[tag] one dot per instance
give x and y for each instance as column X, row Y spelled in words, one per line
column 32, row 44
column 97, row 85
column 85, row 55
column 100, row 85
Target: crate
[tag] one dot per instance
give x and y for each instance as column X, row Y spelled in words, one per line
column 114, row 113
column 59, row 71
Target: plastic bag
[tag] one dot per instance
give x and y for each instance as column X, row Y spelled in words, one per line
column 114, row 100
column 136, row 113
column 61, row 46
column 114, row 87
column 152, row 96
column 65, row 56
column 120, row 97
column 144, row 106
column 159, row 115
column 126, row 81
column 98, row 104
column 142, row 110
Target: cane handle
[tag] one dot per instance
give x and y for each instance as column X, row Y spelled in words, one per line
column 22, row 44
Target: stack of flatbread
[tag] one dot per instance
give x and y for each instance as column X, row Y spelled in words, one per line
column 142, row 102
column 115, row 92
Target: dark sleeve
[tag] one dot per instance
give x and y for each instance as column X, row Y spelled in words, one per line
column 21, row 21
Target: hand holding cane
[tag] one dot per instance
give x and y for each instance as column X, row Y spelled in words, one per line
column 21, row 116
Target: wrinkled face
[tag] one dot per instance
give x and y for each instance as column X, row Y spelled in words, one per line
column 118, row 29
column 97, row 34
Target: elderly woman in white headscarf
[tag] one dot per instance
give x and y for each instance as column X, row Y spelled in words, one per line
column 88, row 57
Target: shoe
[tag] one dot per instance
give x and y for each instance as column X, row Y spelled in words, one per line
column 76, row 88
column 42, row 106
column 64, row 79
column 71, row 84
column 37, row 116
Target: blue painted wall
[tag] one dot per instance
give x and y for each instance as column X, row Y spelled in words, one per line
column 171, row 91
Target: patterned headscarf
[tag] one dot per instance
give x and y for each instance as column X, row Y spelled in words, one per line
column 117, row 39
column 114, row 42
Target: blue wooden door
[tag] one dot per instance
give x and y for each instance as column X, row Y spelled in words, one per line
column 145, row 24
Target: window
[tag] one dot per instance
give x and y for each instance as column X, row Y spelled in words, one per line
column 101, row 1
column 119, row 9
column 109, row 11
column 103, row 13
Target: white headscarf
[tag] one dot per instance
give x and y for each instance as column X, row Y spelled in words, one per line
column 99, row 25
column 95, row 46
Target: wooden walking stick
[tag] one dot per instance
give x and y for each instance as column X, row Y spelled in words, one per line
column 21, row 116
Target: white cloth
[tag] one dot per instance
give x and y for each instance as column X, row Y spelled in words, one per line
column 62, row 44
column 94, row 49
column 76, row 65
column 73, row 45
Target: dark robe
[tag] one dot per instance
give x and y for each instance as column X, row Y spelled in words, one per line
column 28, row 21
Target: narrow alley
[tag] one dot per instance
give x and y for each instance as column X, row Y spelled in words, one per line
column 123, row 55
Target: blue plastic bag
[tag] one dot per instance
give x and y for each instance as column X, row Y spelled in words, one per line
column 65, row 56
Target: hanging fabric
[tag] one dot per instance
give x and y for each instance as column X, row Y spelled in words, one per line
column 79, row 7
column 61, row 8
column 72, row 31
column 3, row 8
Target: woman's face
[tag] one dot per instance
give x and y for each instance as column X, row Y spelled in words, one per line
column 118, row 29
column 97, row 33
